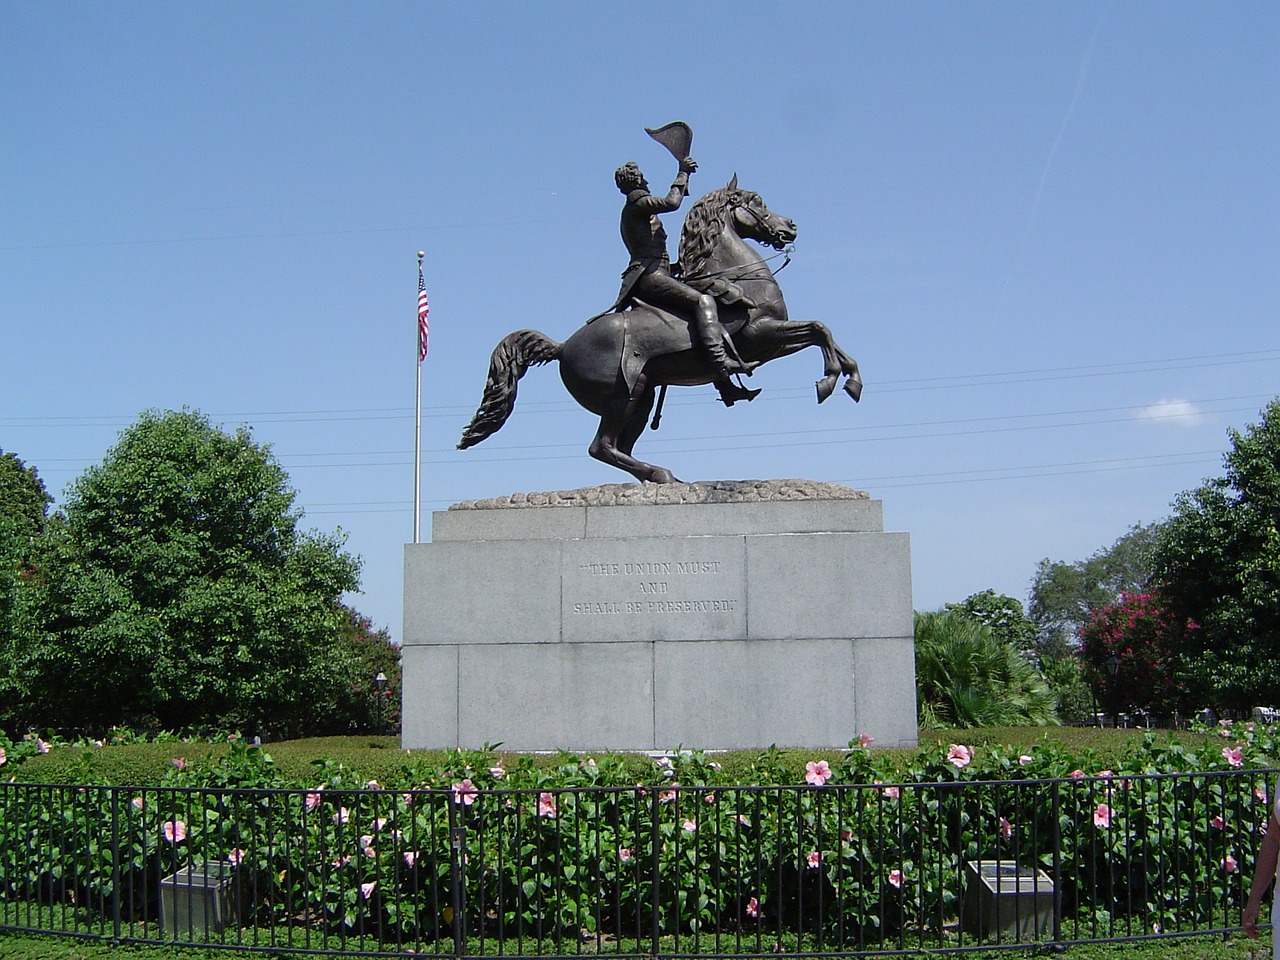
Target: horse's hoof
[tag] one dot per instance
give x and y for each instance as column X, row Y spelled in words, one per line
column 826, row 386
column 853, row 387
column 662, row 475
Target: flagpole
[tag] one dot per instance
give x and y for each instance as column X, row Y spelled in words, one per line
column 417, row 406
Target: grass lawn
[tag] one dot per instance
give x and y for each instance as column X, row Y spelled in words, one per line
column 380, row 758
column 16, row 947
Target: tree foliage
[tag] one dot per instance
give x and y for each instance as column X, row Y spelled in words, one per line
column 1003, row 614
column 965, row 676
column 1144, row 638
column 1218, row 565
column 180, row 590
column 1064, row 595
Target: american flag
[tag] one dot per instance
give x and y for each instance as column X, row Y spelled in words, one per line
column 423, row 310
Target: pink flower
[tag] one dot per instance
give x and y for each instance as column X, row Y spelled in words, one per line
column 817, row 772
column 709, row 798
column 407, row 798
column 378, row 824
column 340, row 862
column 179, row 762
column 1217, row 823
column 175, row 831
column 895, row 878
column 666, row 796
column 366, row 846
column 341, row 816
column 846, row 836
column 1260, row 793
column 546, row 805
column 497, row 773
column 624, row 854
column 373, row 785
column 410, row 857
column 891, row 792
column 959, row 756
column 1077, row 774
column 1233, row 756
column 1006, row 828
column 1104, row 773
column 366, row 889
column 4, row 757
column 41, row 745
column 1025, row 759
column 312, row 801
column 465, row 792
column 1102, row 816
column 1229, row 864
column 865, row 741
column 814, row 859
column 689, row 826
column 137, row 803
column 235, row 856
column 753, row 907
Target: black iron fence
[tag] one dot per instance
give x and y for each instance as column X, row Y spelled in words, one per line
column 645, row 871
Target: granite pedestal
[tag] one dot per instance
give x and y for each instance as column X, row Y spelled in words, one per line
column 645, row 617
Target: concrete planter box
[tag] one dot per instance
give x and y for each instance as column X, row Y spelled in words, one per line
column 198, row 900
column 1006, row 901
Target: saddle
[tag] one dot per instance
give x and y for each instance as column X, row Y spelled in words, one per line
column 649, row 331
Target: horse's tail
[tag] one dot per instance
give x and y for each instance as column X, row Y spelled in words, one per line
column 513, row 355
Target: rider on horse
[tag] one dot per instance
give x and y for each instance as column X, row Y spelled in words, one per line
column 649, row 276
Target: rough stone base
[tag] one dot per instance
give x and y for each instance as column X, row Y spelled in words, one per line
column 645, row 617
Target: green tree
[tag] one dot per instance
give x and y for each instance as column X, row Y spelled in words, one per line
column 180, row 589
column 24, row 505
column 1003, row 614
column 369, row 653
column 1218, row 565
column 1063, row 595
column 966, row 677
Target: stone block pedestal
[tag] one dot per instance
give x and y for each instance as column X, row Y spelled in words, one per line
column 645, row 617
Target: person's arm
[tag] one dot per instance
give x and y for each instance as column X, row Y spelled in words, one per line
column 675, row 196
column 1264, row 873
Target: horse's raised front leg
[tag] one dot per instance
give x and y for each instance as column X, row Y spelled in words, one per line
column 783, row 337
column 620, row 426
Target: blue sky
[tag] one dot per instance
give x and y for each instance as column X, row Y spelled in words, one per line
column 1047, row 231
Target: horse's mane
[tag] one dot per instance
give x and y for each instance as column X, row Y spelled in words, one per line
column 703, row 225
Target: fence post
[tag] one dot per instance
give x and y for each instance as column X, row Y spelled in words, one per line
column 115, row 865
column 1057, row 862
column 457, row 841
column 655, row 845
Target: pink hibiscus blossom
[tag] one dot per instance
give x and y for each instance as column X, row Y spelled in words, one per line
column 546, row 805
column 1102, row 816
column 1025, row 759
column 895, row 878
column 753, row 907
column 366, row 889
column 4, row 757
column 865, row 741
column 1233, row 756
column 689, row 826
column 814, row 859
column 410, row 857
column 341, row 816
column 137, row 803
column 624, row 854
column 312, row 801
column 465, row 792
column 497, row 773
column 1006, row 828
column 959, row 756
column 1229, row 864
column 179, row 762
column 373, row 785
column 1218, row 823
column 1077, row 774
column 817, row 772
column 891, row 792
column 175, row 831
column 235, row 856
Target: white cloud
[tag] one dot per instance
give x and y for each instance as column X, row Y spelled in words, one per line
column 1178, row 413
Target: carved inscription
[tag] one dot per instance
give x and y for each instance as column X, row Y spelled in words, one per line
column 643, row 587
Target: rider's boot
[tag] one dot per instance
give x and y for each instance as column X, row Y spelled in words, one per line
column 731, row 393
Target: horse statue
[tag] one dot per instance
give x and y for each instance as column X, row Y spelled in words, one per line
column 614, row 364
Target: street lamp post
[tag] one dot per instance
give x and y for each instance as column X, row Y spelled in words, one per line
column 380, row 684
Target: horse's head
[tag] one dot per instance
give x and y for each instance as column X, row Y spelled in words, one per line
column 755, row 221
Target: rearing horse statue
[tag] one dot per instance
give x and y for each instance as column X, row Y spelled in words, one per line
column 614, row 364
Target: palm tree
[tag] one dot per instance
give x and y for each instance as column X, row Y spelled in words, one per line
column 968, row 678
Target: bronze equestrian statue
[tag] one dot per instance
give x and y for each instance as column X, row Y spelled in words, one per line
column 725, row 314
